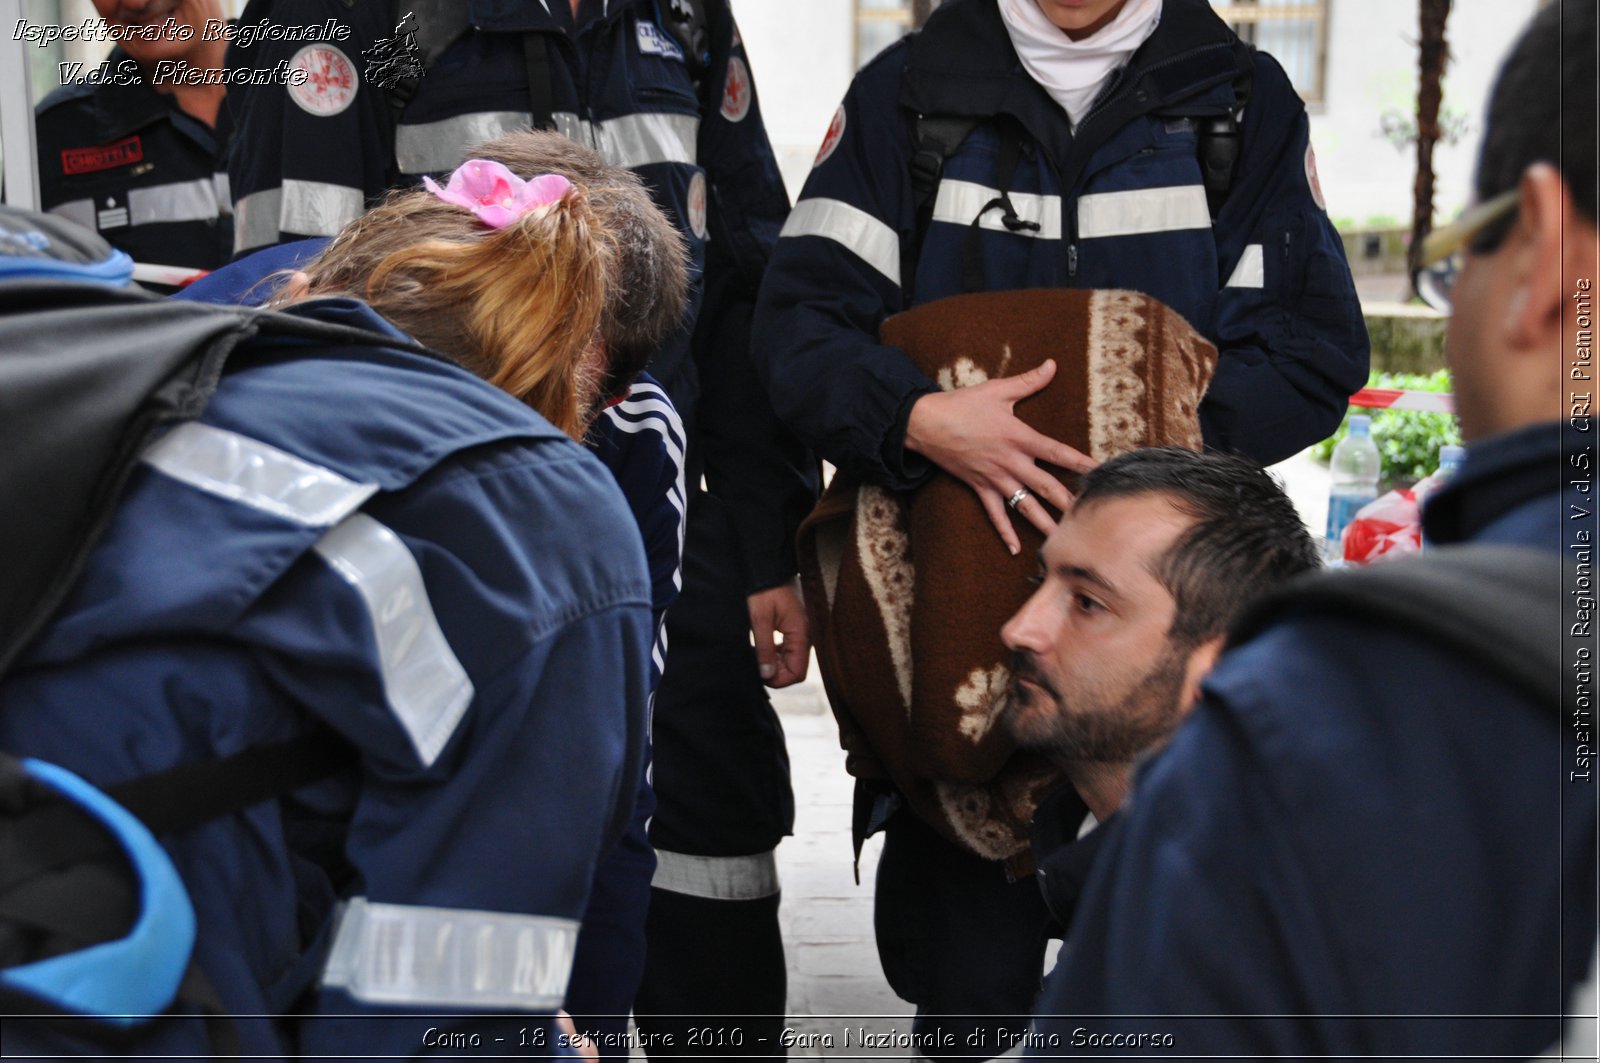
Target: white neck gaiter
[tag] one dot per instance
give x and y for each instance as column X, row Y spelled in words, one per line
column 1072, row 72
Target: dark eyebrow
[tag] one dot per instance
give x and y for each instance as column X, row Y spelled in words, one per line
column 1087, row 575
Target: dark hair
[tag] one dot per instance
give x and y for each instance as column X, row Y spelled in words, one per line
column 651, row 283
column 1542, row 109
column 1246, row 537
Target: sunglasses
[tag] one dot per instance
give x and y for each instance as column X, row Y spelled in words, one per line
column 1436, row 262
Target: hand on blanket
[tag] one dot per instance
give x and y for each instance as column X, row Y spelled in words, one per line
column 780, row 609
column 972, row 434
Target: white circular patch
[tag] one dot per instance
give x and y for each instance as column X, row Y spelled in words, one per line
column 736, row 91
column 697, row 205
column 1311, row 179
column 831, row 140
column 331, row 82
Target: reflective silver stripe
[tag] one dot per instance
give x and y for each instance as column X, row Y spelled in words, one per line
column 636, row 139
column 859, row 232
column 256, row 474
column 310, row 208
column 223, row 191
column 718, row 878
column 643, row 139
column 180, row 201
column 1144, row 210
column 1251, row 272
column 423, row 682
column 78, row 211
column 958, row 202
column 429, row 147
column 451, row 957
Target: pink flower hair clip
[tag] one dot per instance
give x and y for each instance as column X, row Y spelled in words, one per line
column 496, row 195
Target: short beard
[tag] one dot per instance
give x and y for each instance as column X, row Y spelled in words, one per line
column 1094, row 730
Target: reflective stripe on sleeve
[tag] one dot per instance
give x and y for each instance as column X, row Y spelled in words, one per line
column 451, row 957
column 179, row 201
column 431, row 147
column 423, row 681
column 256, row 474
column 223, row 191
column 309, row 208
column 1251, row 272
column 958, row 202
column 853, row 228
column 718, row 878
column 1144, row 210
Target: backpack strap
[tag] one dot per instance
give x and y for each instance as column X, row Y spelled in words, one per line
column 934, row 138
column 972, row 278
column 1217, row 139
column 541, row 96
column 1499, row 607
column 56, row 833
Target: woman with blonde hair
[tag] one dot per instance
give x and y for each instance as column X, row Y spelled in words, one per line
column 507, row 276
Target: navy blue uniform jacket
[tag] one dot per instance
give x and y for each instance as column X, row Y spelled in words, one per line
column 1117, row 203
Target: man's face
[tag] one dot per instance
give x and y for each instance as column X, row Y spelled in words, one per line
column 193, row 13
column 1080, row 18
column 1477, row 303
column 1094, row 675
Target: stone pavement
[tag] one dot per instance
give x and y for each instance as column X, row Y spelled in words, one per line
column 834, row 977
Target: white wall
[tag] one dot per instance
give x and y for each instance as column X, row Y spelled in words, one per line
column 802, row 55
column 1372, row 67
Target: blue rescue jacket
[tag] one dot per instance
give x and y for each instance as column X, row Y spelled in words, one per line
column 375, row 542
column 1361, row 845
column 1116, row 203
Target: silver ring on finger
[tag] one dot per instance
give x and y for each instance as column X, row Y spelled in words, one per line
column 1016, row 498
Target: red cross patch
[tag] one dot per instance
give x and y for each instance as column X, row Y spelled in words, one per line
column 736, row 91
column 330, row 83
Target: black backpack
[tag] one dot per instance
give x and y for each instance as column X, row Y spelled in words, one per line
column 90, row 371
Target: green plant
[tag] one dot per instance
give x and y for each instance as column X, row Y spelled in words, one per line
column 1408, row 440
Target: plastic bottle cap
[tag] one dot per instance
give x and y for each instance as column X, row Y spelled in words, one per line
column 1451, row 453
column 1360, row 424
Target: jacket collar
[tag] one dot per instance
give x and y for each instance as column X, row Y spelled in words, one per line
column 128, row 107
column 1500, row 475
column 963, row 63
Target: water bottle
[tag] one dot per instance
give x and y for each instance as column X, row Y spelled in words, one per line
column 1450, row 458
column 1355, row 468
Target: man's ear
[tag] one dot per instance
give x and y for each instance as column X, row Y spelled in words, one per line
column 1536, row 304
column 1201, row 660
column 296, row 287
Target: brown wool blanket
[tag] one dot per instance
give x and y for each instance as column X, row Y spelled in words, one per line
column 907, row 592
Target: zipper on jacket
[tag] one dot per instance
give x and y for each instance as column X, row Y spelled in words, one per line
column 1112, row 92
